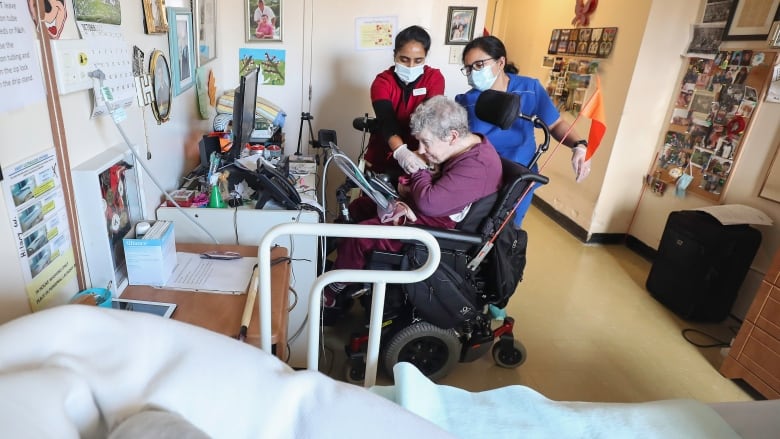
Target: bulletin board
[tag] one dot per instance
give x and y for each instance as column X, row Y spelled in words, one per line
column 712, row 112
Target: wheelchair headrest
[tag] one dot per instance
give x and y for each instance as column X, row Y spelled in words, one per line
column 498, row 107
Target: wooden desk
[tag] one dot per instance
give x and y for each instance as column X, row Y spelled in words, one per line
column 222, row 312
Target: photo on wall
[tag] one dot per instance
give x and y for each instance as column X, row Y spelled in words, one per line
column 263, row 20
column 97, row 11
column 460, row 24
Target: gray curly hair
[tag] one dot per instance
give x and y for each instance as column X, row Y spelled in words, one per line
column 439, row 115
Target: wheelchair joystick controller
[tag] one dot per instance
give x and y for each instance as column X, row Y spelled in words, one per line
column 343, row 199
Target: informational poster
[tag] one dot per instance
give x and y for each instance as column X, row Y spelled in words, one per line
column 375, row 33
column 33, row 192
column 20, row 75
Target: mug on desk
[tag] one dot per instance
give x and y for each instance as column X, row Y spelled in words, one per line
column 256, row 149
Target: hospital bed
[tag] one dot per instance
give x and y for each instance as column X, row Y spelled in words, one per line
column 80, row 371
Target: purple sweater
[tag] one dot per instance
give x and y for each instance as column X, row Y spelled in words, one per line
column 464, row 179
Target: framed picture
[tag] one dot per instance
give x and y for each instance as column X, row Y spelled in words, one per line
column 460, row 25
column 750, row 19
column 263, row 20
column 206, row 29
column 182, row 54
column 160, row 73
column 155, row 21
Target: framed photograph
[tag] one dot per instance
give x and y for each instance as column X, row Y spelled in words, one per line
column 706, row 38
column 717, row 12
column 206, row 29
column 263, row 20
column 155, row 21
column 460, row 25
column 750, row 19
column 182, row 54
column 160, row 73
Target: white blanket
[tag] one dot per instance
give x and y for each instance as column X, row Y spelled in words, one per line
column 79, row 371
column 523, row 412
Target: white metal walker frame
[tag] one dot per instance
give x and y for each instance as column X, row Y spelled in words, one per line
column 366, row 276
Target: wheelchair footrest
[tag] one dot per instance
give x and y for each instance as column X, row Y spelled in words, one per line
column 476, row 347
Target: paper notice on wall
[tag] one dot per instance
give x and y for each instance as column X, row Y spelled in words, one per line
column 773, row 95
column 375, row 33
column 33, row 192
column 20, row 74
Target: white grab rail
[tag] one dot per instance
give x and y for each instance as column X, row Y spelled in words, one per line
column 379, row 278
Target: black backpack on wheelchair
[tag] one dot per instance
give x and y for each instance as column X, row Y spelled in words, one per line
column 443, row 320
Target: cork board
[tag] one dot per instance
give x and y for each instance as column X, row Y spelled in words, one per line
column 712, row 112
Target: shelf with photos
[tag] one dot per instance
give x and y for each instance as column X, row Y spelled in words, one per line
column 713, row 109
column 573, row 56
column 569, row 80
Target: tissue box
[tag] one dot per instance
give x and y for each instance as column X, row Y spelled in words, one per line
column 152, row 258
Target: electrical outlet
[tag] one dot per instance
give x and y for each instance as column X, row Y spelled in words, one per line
column 455, row 54
column 72, row 65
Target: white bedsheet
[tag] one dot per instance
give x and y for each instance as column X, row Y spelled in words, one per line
column 529, row 414
column 78, row 371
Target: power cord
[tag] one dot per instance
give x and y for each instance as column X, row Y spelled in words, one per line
column 107, row 97
column 718, row 342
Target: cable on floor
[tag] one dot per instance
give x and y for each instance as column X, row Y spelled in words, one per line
column 718, row 342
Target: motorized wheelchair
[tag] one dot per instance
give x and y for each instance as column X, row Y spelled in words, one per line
column 447, row 318
column 410, row 332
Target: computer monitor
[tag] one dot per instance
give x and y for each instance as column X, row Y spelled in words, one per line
column 244, row 106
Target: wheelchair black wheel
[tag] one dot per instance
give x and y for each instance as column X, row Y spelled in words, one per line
column 433, row 350
column 355, row 372
column 509, row 353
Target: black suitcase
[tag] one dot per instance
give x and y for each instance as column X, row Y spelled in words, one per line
column 701, row 264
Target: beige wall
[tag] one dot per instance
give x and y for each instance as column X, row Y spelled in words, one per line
column 638, row 81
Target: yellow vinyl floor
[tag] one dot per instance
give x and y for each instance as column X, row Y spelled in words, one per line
column 591, row 330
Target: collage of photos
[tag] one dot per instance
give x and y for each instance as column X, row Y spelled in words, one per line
column 713, row 106
column 590, row 42
column 569, row 80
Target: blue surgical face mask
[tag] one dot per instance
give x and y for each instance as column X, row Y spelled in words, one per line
column 482, row 79
column 408, row 74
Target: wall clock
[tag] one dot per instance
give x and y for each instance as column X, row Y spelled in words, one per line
column 161, row 85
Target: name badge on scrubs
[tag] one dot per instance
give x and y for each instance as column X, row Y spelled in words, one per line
column 419, row 91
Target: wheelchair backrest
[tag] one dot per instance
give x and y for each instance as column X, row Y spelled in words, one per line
column 487, row 214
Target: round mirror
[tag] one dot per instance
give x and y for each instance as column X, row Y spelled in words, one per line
column 161, row 84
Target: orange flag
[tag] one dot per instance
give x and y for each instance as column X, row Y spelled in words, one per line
column 594, row 110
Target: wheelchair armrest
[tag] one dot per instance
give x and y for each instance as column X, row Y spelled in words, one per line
column 452, row 235
column 538, row 178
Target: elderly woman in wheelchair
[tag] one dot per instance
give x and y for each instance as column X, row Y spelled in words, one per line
column 469, row 169
column 449, row 317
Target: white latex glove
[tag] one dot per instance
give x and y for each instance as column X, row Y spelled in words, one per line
column 578, row 163
column 409, row 161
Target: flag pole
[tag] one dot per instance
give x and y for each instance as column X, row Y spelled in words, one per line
column 571, row 127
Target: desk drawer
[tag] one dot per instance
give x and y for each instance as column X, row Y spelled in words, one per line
column 765, row 310
column 761, row 355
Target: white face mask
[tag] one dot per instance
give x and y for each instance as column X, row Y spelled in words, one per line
column 408, row 74
column 482, row 79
